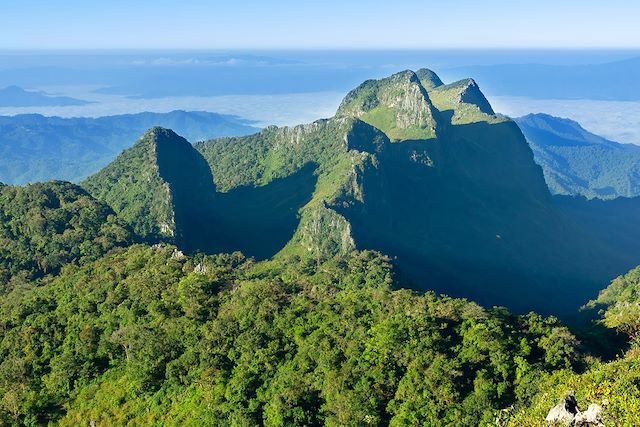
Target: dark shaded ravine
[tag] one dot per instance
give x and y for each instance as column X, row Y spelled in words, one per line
column 258, row 221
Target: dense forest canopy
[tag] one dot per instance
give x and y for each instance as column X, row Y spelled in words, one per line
column 44, row 226
column 147, row 336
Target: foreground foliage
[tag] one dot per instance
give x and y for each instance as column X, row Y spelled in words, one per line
column 146, row 336
column 615, row 385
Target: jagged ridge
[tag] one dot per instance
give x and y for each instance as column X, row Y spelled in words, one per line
column 460, row 202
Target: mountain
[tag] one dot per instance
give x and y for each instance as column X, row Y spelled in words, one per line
column 577, row 162
column 145, row 184
column 38, row 148
column 431, row 177
column 14, row 96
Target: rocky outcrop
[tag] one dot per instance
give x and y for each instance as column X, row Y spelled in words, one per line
column 429, row 79
column 470, row 94
column 397, row 105
column 568, row 414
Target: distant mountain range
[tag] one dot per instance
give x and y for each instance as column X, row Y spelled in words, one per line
column 578, row 162
column 14, row 96
column 38, row 148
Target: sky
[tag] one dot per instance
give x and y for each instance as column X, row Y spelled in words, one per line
column 330, row 24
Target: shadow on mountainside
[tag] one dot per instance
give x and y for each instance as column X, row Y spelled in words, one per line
column 258, row 221
column 469, row 215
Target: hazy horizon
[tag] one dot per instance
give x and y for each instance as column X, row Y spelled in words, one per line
column 292, row 86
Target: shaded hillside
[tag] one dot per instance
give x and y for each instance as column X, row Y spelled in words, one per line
column 577, row 162
column 164, row 189
column 258, row 221
column 613, row 222
column 38, row 148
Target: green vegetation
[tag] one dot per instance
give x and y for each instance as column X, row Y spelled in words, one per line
column 465, row 204
column 577, row 162
column 97, row 330
column 398, row 105
column 44, row 226
column 622, row 304
column 145, row 336
column 615, row 385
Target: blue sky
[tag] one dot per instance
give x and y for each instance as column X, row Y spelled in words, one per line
column 215, row 24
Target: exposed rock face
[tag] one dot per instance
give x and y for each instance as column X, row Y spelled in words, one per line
column 471, row 94
column 589, row 418
column 567, row 413
column 564, row 412
column 178, row 255
column 398, row 105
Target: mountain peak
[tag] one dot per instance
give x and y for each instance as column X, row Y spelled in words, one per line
column 465, row 100
column 398, row 105
column 13, row 89
column 143, row 183
column 158, row 132
column 471, row 94
column 428, row 78
column 164, row 142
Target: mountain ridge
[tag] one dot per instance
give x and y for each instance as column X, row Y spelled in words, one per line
column 463, row 210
